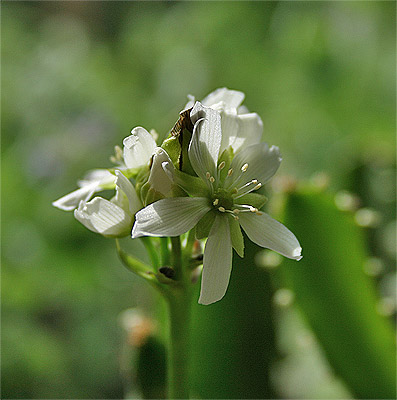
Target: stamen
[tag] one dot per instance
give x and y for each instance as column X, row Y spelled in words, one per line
column 229, row 173
column 247, row 184
column 208, row 175
column 236, row 211
column 212, row 179
column 242, row 192
column 243, row 208
column 235, row 217
column 253, row 209
column 221, row 209
column 221, row 165
column 215, row 202
column 240, row 176
column 232, row 212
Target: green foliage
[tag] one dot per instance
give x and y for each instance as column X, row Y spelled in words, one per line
column 233, row 340
column 337, row 298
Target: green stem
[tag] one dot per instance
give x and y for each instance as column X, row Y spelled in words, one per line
column 178, row 297
column 191, row 238
column 152, row 251
column 179, row 307
column 164, row 251
column 179, row 345
column 176, row 257
column 141, row 269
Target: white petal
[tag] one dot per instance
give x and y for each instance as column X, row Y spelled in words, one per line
column 262, row 161
column 231, row 98
column 240, row 131
column 190, row 103
column 206, row 140
column 271, row 234
column 158, row 178
column 170, row 217
column 72, row 200
column 126, row 186
column 230, row 127
column 242, row 110
column 249, row 132
column 217, row 263
column 138, row 148
column 104, row 217
column 102, row 176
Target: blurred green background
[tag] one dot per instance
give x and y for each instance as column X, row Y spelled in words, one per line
column 78, row 76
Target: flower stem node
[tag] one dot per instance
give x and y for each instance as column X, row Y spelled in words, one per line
column 168, row 272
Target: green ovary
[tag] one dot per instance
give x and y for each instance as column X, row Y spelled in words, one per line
column 222, row 198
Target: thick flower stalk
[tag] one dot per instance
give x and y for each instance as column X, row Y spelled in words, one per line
column 221, row 200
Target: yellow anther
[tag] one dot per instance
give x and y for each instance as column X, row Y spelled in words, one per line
column 229, row 172
column 254, row 181
column 208, row 175
column 235, row 217
column 212, row 179
column 236, row 211
column 215, row 202
column 257, row 186
column 244, row 167
column 253, row 209
column 221, row 165
column 221, row 209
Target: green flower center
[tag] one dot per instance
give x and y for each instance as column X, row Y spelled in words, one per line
column 222, row 199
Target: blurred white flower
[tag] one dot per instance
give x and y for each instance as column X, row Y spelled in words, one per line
column 111, row 218
column 159, row 180
column 137, row 152
column 95, row 181
column 138, row 148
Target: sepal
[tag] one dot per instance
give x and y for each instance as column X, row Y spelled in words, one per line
column 192, row 185
column 204, row 225
column 173, row 148
column 236, row 236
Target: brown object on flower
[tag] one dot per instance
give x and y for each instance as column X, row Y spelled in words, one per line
column 183, row 122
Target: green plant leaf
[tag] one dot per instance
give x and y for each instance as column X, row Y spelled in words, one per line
column 233, row 343
column 337, row 298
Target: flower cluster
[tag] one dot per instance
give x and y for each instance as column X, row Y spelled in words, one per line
column 204, row 177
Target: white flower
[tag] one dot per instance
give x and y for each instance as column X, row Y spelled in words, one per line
column 95, row 181
column 138, row 148
column 240, row 128
column 158, row 179
column 222, row 203
column 111, row 218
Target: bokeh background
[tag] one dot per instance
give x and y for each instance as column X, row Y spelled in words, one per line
column 78, row 76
